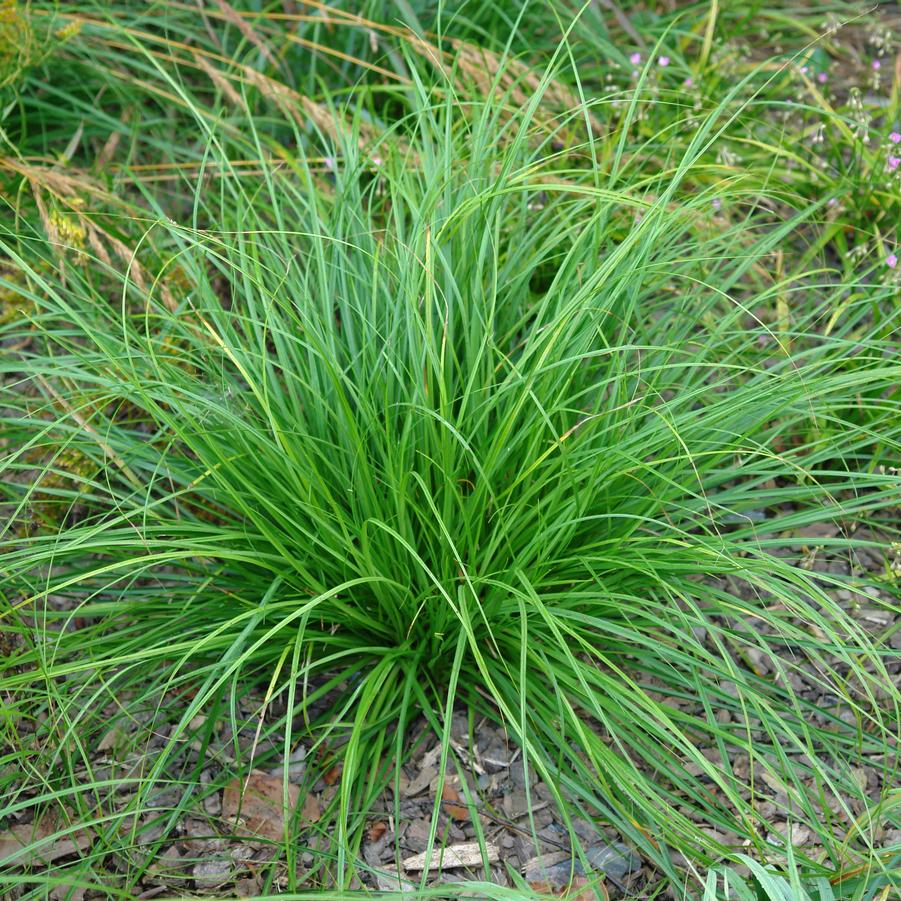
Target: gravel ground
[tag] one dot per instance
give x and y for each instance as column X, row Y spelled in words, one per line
column 224, row 845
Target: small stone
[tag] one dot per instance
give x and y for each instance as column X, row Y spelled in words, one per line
column 518, row 774
column 766, row 810
column 417, row 835
column 516, row 804
column 555, row 868
column 585, row 829
column 616, row 860
column 497, row 754
column 297, row 765
column 797, row 835
column 880, row 618
column 558, row 867
column 372, row 853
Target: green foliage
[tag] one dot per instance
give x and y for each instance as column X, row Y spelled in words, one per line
column 764, row 884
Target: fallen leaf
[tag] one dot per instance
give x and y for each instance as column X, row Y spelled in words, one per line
column 430, row 758
column 311, row 809
column 388, row 882
column 66, row 892
column 453, row 805
column 422, row 781
column 332, row 776
column 168, row 866
column 776, row 784
column 584, row 889
column 247, row 888
column 467, row 854
column 377, row 830
column 210, row 873
column 260, row 804
column 114, row 738
column 15, row 843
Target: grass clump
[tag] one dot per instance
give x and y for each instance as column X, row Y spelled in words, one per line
column 447, row 415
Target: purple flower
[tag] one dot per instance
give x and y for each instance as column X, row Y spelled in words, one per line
column 804, row 70
column 635, row 59
column 891, row 261
column 831, row 201
column 893, row 163
column 663, row 60
column 716, row 203
column 895, row 137
column 689, row 82
column 876, row 65
column 822, row 78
